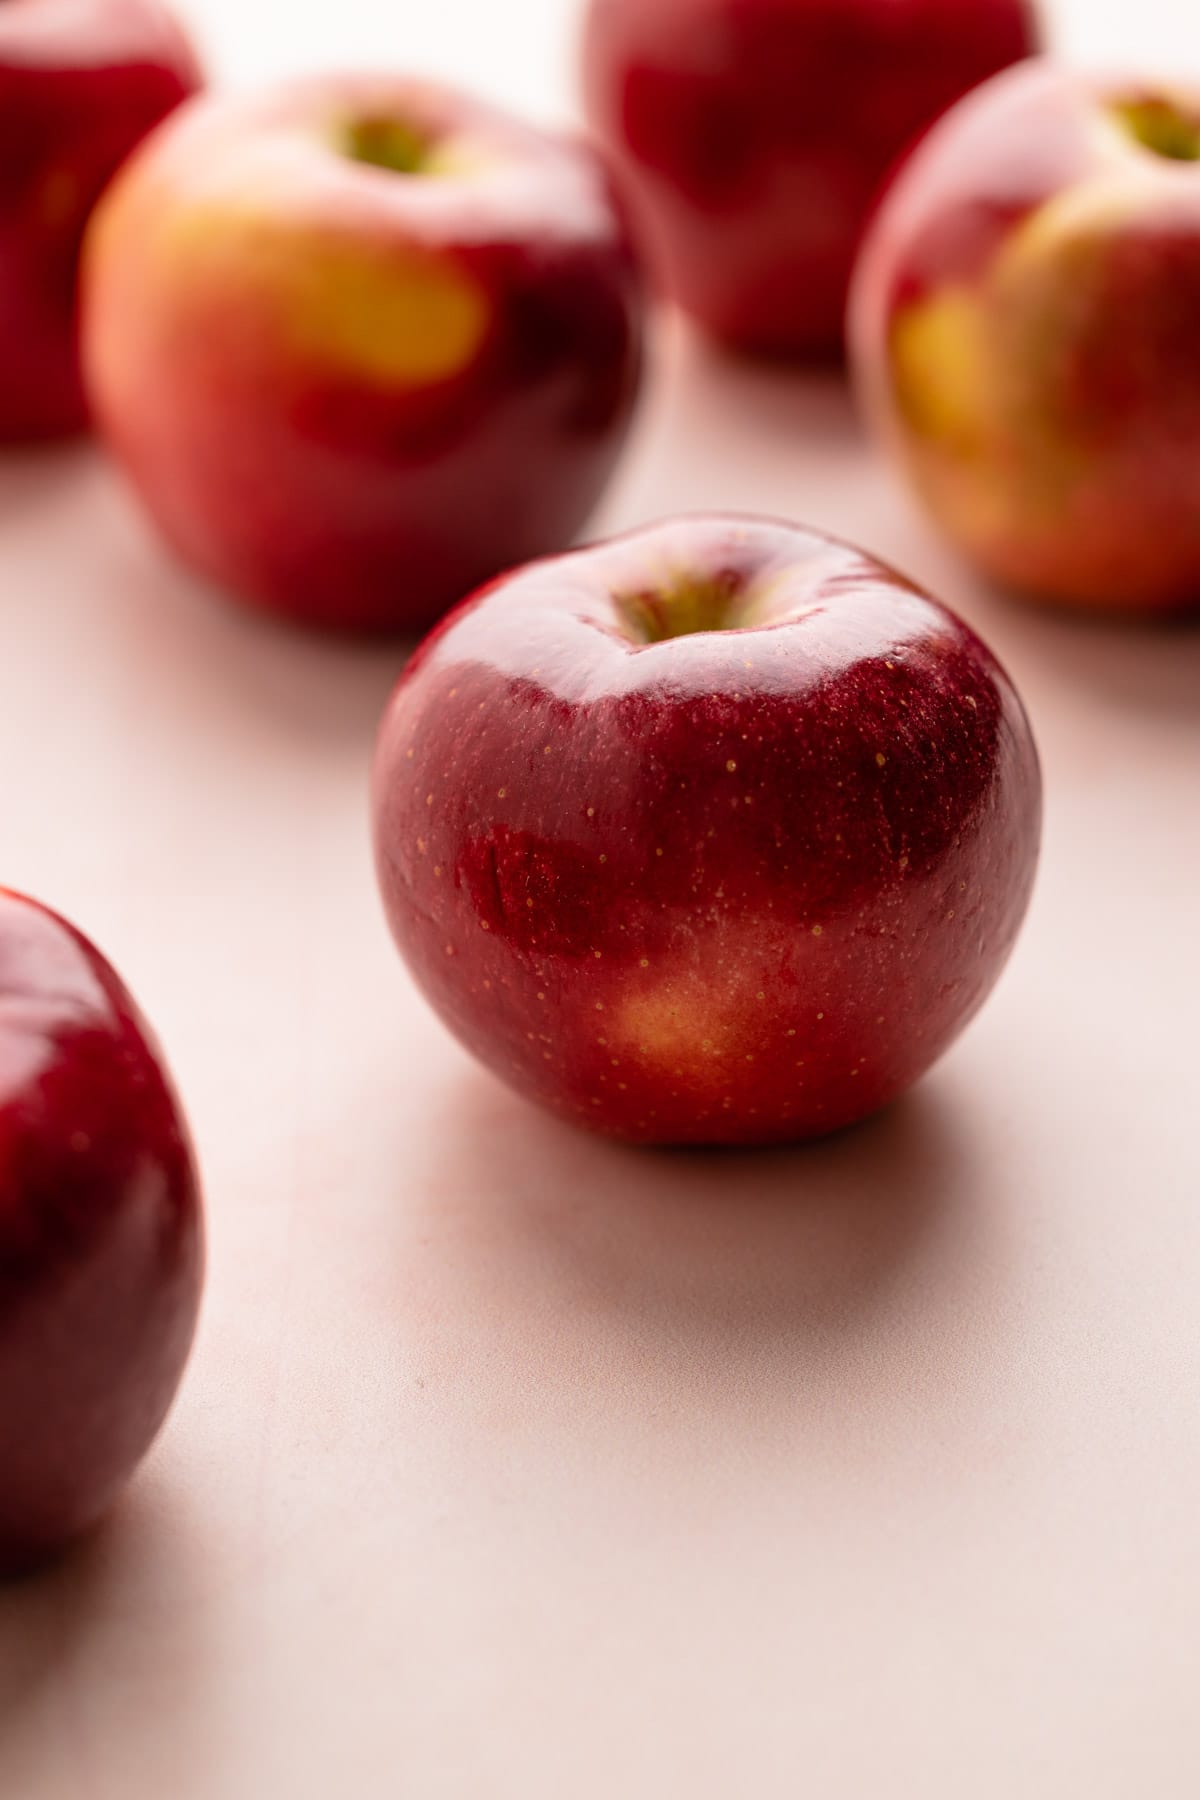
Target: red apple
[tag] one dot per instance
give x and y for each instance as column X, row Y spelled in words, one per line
column 362, row 343
column 755, row 133
column 718, row 833
column 1025, row 324
column 81, row 82
column 100, row 1235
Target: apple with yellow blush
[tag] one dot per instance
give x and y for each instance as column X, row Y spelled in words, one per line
column 361, row 343
column 1024, row 331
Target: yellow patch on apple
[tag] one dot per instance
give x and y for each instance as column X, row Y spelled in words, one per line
column 410, row 321
column 941, row 369
column 668, row 1028
column 396, row 315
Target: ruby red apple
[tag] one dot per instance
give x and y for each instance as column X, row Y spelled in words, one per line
column 717, row 833
column 1025, row 335
column 100, row 1235
column 362, row 343
column 754, row 135
column 81, row 83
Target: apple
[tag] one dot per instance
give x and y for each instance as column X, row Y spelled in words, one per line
column 81, row 82
column 717, row 833
column 362, row 343
column 100, row 1235
column 754, row 135
column 1025, row 335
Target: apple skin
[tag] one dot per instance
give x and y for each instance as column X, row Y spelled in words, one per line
column 81, row 83
column 731, row 887
column 754, row 135
column 1024, row 331
column 101, row 1247
column 351, row 393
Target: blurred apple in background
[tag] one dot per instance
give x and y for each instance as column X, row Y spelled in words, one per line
column 81, row 82
column 100, row 1235
column 1026, row 327
column 754, row 135
column 362, row 343
column 717, row 833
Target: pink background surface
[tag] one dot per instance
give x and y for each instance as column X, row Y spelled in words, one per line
column 516, row 1465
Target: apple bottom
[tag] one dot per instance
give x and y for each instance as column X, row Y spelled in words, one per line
column 1045, row 427
column 41, row 390
column 747, row 1034
column 764, row 295
column 84, row 1389
column 86, row 1381
column 1121, row 547
column 349, row 541
column 781, row 313
column 101, row 1237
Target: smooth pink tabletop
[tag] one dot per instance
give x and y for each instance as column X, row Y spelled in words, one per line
column 515, row 1466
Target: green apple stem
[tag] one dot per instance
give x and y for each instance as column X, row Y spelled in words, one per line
column 388, row 144
column 681, row 607
column 1161, row 126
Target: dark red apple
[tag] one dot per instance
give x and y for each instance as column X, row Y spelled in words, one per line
column 81, row 82
column 1025, row 335
column 755, row 133
column 362, row 343
column 100, row 1235
column 717, row 833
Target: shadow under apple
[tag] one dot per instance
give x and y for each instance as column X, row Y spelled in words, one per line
column 695, row 1244
column 723, row 432
column 125, row 1601
column 35, row 478
column 186, row 635
column 1140, row 665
